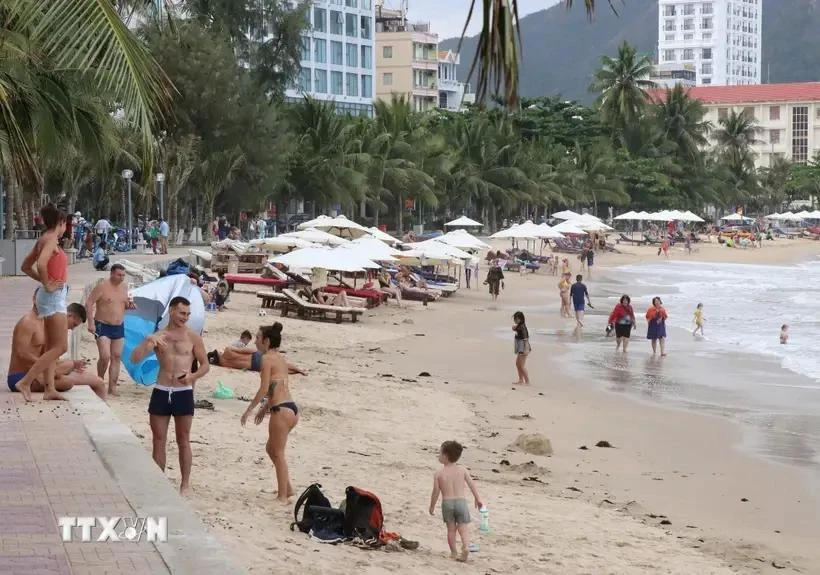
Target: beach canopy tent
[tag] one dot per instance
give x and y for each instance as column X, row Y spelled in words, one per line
column 150, row 314
column 565, row 215
column 371, row 249
column 569, row 228
column 342, row 227
column 737, row 218
column 628, row 216
column 383, row 236
column 463, row 222
column 339, row 260
column 316, row 236
column 462, row 239
column 281, row 243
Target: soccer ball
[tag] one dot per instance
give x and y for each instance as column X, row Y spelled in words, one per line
column 262, row 313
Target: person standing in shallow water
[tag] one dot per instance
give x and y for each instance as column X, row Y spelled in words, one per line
column 494, row 278
column 656, row 330
column 622, row 320
column 522, row 348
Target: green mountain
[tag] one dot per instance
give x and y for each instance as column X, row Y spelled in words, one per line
column 562, row 48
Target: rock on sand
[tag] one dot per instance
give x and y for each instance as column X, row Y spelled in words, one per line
column 533, row 443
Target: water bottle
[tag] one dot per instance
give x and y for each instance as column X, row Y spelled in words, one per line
column 485, row 520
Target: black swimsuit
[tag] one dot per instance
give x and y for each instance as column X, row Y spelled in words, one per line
column 286, row 404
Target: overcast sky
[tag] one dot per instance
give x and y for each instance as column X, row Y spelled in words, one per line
column 447, row 16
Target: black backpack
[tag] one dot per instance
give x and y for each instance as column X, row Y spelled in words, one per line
column 311, row 498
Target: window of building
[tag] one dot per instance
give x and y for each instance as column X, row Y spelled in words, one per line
column 352, row 53
column 705, row 81
column 336, row 83
column 723, row 113
column 688, row 36
column 320, row 51
column 351, row 3
column 305, row 56
column 336, row 22
column 669, row 25
column 749, row 111
column 706, row 68
column 367, row 27
column 669, row 10
column 351, row 22
column 688, row 54
column 706, row 8
column 366, row 4
column 320, row 81
column 367, row 86
column 387, row 79
column 352, row 88
column 336, row 51
column 688, row 9
column 387, row 51
column 689, row 24
column 774, row 112
column 320, row 20
column 774, row 136
column 800, row 134
column 706, row 54
column 305, row 84
column 670, row 37
column 367, row 57
column 669, row 55
column 706, row 36
column 706, row 23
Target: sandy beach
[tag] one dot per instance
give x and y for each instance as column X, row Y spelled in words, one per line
column 676, row 494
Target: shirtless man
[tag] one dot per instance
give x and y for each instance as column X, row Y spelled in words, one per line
column 106, row 305
column 176, row 346
column 27, row 344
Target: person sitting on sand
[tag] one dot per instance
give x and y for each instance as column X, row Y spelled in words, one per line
column 784, row 334
column 27, row 343
column 244, row 339
column 449, row 482
column 386, row 285
column 284, row 413
column 222, row 291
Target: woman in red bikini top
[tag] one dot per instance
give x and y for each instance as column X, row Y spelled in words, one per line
column 48, row 265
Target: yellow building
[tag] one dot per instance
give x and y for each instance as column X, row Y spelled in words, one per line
column 407, row 60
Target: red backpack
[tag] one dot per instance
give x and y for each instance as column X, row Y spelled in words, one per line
column 363, row 515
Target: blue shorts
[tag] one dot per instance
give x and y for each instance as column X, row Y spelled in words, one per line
column 112, row 332
column 579, row 306
column 48, row 303
column 174, row 402
column 12, row 380
column 256, row 361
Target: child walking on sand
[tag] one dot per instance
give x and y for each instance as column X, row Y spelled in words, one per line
column 784, row 334
column 449, row 482
column 522, row 348
column 699, row 319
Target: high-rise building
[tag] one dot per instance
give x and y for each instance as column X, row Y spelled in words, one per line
column 721, row 38
column 337, row 55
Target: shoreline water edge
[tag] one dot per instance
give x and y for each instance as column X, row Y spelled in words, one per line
column 728, row 484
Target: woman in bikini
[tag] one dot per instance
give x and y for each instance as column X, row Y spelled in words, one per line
column 563, row 289
column 47, row 264
column 274, row 395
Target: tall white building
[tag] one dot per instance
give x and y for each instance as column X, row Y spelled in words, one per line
column 337, row 55
column 721, row 38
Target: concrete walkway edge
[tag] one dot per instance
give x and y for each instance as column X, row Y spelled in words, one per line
column 190, row 548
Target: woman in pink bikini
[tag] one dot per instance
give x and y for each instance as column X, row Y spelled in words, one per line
column 48, row 265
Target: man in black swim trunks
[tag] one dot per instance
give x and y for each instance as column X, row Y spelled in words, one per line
column 106, row 305
column 176, row 347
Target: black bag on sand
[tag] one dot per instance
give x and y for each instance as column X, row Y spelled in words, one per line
column 311, row 499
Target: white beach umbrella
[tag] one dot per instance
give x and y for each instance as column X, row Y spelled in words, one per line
column 342, row 227
column 774, row 216
column 505, row 233
column 630, row 215
column 735, row 218
column 590, row 225
column 462, row 239
column 803, row 214
column 548, row 232
column 642, row 216
column 815, row 215
column 419, row 257
column 437, row 248
column 692, row 217
column 372, row 249
column 313, row 223
column 281, row 243
column 335, row 260
column 565, row 215
column 525, row 231
column 463, row 222
column 383, row 236
column 569, row 228
column 316, row 236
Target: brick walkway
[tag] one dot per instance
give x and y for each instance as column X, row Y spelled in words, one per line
column 49, row 468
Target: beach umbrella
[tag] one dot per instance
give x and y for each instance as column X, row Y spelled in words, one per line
column 627, row 216
column 383, row 236
column 437, row 248
column 463, row 222
column 342, row 227
column 525, row 231
column 281, row 243
column 504, row 234
column 774, row 216
column 313, row 223
column 565, row 215
column 590, row 225
column 419, row 257
column 150, row 314
column 462, row 239
column 815, row 215
column 642, row 216
column 691, row 217
column 372, row 249
column 569, row 228
column 548, row 232
column 315, row 236
column 736, row 218
column 340, row 260
column 804, row 214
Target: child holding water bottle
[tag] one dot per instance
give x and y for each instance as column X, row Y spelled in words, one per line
column 449, row 482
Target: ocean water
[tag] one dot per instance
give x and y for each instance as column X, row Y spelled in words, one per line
column 744, row 306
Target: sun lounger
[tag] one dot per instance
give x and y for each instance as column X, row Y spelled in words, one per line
column 270, row 298
column 372, row 297
column 308, row 310
column 250, row 279
column 626, row 239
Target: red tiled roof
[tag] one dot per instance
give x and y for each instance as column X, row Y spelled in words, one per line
column 749, row 94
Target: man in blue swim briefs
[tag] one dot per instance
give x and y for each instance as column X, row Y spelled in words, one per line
column 27, row 342
column 579, row 294
column 176, row 346
column 106, row 305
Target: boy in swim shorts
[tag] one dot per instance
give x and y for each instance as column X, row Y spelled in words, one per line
column 449, row 481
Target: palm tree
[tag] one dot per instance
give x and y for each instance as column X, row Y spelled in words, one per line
column 595, row 180
column 681, row 120
column 499, row 44
column 623, row 82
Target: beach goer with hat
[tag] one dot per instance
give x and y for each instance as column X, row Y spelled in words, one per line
column 622, row 320
column 656, row 330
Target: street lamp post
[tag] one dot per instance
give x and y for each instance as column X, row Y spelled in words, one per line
column 161, row 185
column 127, row 175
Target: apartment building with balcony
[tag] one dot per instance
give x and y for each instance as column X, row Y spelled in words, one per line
column 787, row 116
column 722, row 39
column 337, row 57
column 407, row 59
column 452, row 94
